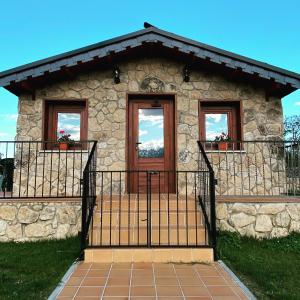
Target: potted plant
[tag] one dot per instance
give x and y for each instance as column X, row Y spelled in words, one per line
column 222, row 141
column 64, row 140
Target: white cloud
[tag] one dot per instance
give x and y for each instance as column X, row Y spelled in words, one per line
column 3, row 134
column 9, row 117
column 155, row 120
column 297, row 103
column 142, row 132
column 152, row 144
column 69, row 116
column 211, row 135
column 215, row 117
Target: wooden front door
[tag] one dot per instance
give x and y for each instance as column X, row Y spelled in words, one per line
column 151, row 145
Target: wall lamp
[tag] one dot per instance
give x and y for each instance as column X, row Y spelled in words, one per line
column 116, row 74
column 186, row 74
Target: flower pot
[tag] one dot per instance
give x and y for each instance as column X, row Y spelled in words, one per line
column 223, row 146
column 63, row 146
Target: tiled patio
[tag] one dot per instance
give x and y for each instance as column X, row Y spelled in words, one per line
column 150, row 281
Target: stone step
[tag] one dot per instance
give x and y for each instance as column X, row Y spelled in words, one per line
column 159, row 255
column 133, row 236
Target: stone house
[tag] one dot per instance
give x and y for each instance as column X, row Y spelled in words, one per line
column 135, row 108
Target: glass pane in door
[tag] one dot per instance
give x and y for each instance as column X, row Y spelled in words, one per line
column 151, row 133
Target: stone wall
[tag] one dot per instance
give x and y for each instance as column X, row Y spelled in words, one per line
column 30, row 221
column 260, row 220
column 107, row 107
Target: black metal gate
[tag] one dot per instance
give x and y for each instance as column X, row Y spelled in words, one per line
column 149, row 218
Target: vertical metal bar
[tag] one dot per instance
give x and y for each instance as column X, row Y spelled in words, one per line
column 248, row 160
column 233, row 161
column 271, row 170
column 80, row 191
column 128, row 206
column 28, row 168
column 213, row 212
column 168, row 198
column 240, row 146
column 91, row 212
column 219, row 175
column 21, row 164
column 195, row 207
column 263, row 167
column 159, row 208
column 177, row 195
column 58, row 173
column 255, row 160
column 43, row 171
column 35, row 171
column 297, row 169
column 66, row 176
column 227, row 174
column 101, row 209
column 13, row 179
column 138, row 207
column 73, row 172
column 293, row 167
column 286, row 161
column 150, row 209
column 278, row 169
column 84, row 212
column 110, row 208
column 5, row 173
column 186, row 211
column 120, row 191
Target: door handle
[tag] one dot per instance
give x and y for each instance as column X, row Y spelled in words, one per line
column 137, row 145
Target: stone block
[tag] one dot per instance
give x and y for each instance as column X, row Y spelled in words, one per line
column 8, row 212
column 27, row 215
column 263, row 223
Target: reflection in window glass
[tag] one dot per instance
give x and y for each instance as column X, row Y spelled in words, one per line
column 70, row 124
column 151, row 132
column 215, row 125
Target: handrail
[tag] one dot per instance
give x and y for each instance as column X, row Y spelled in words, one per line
column 201, row 148
column 210, row 224
column 88, row 195
column 90, row 156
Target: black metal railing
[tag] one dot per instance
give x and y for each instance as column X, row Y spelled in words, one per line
column 89, row 195
column 206, row 194
column 255, row 168
column 40, row 169
column 147, row 209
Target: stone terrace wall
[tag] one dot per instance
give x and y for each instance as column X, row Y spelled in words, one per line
column 29, row 221
column 107, row 107
column 260, row 220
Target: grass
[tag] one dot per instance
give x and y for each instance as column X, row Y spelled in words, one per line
column 31, row 270
column 270, row 268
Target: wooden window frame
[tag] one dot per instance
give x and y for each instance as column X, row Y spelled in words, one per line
column 234, row 113
column 51, row 110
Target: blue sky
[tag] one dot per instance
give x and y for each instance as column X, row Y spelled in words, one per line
column 31, row 30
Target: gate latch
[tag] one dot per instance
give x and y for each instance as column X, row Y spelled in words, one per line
column 153, row 172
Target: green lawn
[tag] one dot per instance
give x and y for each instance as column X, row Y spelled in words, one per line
column 32, row 270
column 270, row 268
